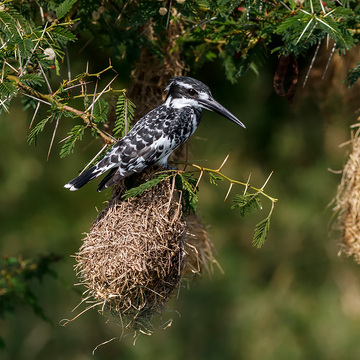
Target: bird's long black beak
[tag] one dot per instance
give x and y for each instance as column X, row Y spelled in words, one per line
column 213, row 105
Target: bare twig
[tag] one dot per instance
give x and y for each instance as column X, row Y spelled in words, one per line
column 45, row 77
column 91, row 161
column 35, row 113
column 228, row 192
column 53, row 137
column 68, row 63
column 95, row 100
column 329, row 60
column 312, row 63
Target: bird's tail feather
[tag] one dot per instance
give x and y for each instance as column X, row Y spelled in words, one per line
column 108, row 180
column 84, row 178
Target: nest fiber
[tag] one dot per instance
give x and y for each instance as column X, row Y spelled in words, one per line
column 348, row 203
column 136, row 253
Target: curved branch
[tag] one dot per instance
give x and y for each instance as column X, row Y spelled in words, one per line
column 53, row 101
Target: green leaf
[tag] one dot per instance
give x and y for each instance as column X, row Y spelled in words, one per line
column 186, row 182
column 64, row 8
column 214, row 178
column 61, row 35
column 57, row 67
column 15, row 280
column 353, row 75
column 125, row 110
column 32, row 80
column 75, row 134
column 139, row 190
column 101, row 109
column 38, row 128
column 261, row 231
column 248, row 203
column 6, row 89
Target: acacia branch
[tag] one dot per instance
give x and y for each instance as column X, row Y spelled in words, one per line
column 233, row 181
column 52, row 100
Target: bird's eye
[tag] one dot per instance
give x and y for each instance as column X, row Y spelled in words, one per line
column 192, row 92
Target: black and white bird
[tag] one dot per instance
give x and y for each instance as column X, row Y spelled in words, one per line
column 157, row 134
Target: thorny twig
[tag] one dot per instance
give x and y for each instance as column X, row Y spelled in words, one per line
column 54, row 101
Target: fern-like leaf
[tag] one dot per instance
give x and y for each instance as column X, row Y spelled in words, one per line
column 75, row 134
column 248, row 203
column 214, row 178
column 32, row 80
column 6, row 89
column 64, row 8
column 139, row 190
column 38, row 128
column 353, row 75
column 125, row 110
column 261, row 231
column 101, row 108
column 186, row 182
column 61, row 35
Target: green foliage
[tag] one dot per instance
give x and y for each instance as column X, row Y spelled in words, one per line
column 261, row 231
column 125, row 110
column 15, row 289
column 15, row 272
column 7, row 90
column 247, row 204
column 353, row 75
column 215, row 178
column 186, row 183
column 139, row 190
column 240, row 34
column 101, row 108
column 32, row 80
column 63, row 8
column 38, row 128
column 74, row 135
column 306, row 28
column 61, row 35
column 27, row 50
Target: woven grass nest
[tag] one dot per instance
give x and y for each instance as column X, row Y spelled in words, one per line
column 348, row 202
column 136, row 253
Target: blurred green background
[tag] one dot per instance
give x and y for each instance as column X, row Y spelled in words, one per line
column 292, row 299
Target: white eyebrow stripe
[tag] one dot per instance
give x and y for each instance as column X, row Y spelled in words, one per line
column 185, row 85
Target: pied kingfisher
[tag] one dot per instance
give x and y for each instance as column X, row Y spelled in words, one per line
column 157, row 134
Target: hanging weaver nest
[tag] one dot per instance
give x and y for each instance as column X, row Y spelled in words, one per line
column 137, row 252
column 348, row 202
